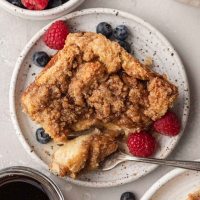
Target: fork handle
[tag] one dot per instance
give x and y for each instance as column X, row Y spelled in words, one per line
column 191, row 165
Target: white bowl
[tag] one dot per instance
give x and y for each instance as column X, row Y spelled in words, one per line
column 43, row 14
column 176, row 184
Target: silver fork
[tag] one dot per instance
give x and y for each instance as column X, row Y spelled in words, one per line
column 120, row 157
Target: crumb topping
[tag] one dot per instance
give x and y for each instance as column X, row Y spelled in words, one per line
column 93, row 79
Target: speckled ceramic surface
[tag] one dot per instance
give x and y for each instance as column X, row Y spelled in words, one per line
column 146, row 42
column 175, row 185
column 41, row 15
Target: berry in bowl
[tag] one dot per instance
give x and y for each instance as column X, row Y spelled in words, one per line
column 40, row 9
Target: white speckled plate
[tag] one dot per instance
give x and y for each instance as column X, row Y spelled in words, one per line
column 175, row 185
column 146, row 42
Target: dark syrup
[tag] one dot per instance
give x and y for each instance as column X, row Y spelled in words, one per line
column 22, row 189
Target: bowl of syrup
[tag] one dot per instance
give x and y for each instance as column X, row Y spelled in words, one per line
column 23, row 183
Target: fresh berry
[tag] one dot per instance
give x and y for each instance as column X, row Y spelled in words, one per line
column 56, row 35
column 127, row 196
column 42, row 137
column 54, row 3
column 105, row 29
column 125, row 45
column 35, row 4
column 17, row 3
column 120, row 32
column 141, row 144
column 40, row 58
column 169, row 124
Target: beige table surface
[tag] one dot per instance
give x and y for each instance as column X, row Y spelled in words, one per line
column 179, row 23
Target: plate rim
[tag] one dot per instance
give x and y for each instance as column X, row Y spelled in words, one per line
column 21, row 58
column 162, row 181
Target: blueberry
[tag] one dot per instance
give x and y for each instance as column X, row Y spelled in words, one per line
column 120, row 32
column 54, row 3
column 105, row 29
column 40, row 58
column 127, row 196
column 42, row 137
column 125, row 45
column 17, row 3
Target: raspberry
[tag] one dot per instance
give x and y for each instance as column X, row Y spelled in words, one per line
column 141, row 144
column 35, row 4
column 169, row 124
column 56, row 35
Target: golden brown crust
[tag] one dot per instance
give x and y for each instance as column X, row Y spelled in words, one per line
column 194, row 196
column 94, row 79
column 162, row 94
